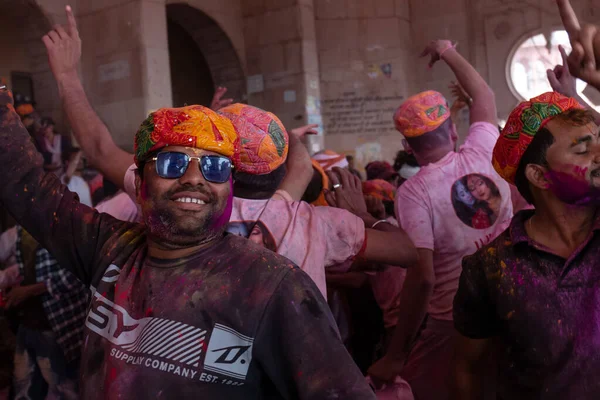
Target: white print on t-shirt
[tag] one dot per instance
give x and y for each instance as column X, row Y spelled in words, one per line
column 167, row 345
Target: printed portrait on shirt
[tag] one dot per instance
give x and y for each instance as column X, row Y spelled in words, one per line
column 476, row 200
column 255, row 231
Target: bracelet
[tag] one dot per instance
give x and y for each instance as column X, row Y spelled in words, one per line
column 379, row 222
column 452, row 46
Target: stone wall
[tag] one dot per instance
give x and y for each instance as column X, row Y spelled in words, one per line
column 365, row 57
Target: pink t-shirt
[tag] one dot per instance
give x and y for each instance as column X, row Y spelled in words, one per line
column 311, row 237
column 454, row 207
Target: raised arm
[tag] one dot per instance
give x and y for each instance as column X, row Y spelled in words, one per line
column 585, row 40
column 483, row 105
column 563, row 82
column 64, row 54
column 386, row 243
column 41, row 204
column 299, row 168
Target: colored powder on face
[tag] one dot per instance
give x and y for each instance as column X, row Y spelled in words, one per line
column 573, row 188
column 221, row 220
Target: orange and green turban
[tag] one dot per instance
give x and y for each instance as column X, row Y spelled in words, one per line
column 421, row 113
column 192, row 126
column 379, row 189
column 264, row 141
column 522, row 125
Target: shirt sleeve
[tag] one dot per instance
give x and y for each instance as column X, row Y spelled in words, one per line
column 474, row 313
column 61, row 283
column 481, row 139
column 414, row 217
column 299, row 347
column 281, row 194
column 70, row 231
column 342, row 232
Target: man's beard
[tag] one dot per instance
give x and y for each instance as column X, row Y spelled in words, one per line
column 177, row 229
column 575, row 190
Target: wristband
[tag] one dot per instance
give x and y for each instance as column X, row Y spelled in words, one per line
column 452, row 46
column 379, row 222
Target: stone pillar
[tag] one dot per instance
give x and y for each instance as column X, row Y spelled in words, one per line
column 125, row 63
column 282, row 61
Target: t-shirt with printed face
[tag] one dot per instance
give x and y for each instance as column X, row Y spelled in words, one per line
column 454, row 207
column 314, row 238
column 231, row 321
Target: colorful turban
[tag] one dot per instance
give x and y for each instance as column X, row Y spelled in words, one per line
column 329, row 159
column 522, row 125
column 264, row 141
column 379, row 189
column 191, row 126
column 320, row 201
column 421, row 113
column 24, row 109
column 380, row 170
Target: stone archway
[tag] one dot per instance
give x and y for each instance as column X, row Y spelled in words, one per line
column 217, row 59
column 22, row 25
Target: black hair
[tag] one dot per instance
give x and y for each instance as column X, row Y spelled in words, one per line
column 432, row 140
column 255, row 187
column 389, row 208
column 314, row 188
column 47, row 121
column 404, row 157
column 535, row 154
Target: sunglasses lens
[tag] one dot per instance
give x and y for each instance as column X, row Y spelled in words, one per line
column 215, row 169
column 171, row 165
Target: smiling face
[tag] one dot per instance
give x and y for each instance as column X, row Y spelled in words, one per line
column 573, row 160
column 478, row 188
column 185, row 211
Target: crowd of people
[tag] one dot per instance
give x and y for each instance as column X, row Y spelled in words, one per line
column 220, row 260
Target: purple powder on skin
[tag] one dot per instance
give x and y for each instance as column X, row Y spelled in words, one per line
column 223, row 219
column 573, row 189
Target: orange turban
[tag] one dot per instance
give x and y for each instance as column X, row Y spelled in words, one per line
column 522, row 125
column 421, row 113
column 264, row 141
column 191, row 126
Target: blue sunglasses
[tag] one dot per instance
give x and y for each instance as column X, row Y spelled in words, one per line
column 173, row 164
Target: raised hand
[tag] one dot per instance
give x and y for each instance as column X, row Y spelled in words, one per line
column 435, row 49
column 560, row 77
column 64, row 47
column 585, row 41
column 302, row 131
column 218, row 101
column 347, row 192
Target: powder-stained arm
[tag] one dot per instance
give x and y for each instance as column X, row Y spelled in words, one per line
column 299, row 347
column 64, row 54
column 38, row 201
column 299, row 167
column 483, row 106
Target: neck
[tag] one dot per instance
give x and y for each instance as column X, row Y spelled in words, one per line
column 561, row 226
column 171, row 251
column 432, row 156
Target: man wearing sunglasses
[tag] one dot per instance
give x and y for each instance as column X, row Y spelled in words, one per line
column 179, row 308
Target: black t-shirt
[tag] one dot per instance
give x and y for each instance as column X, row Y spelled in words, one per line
column 232, row 321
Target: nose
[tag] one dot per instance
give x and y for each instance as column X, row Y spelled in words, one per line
column 193, row 176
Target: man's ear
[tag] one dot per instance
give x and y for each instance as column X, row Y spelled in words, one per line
column 138, row 186
column 536, row 175
column 406, row 146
